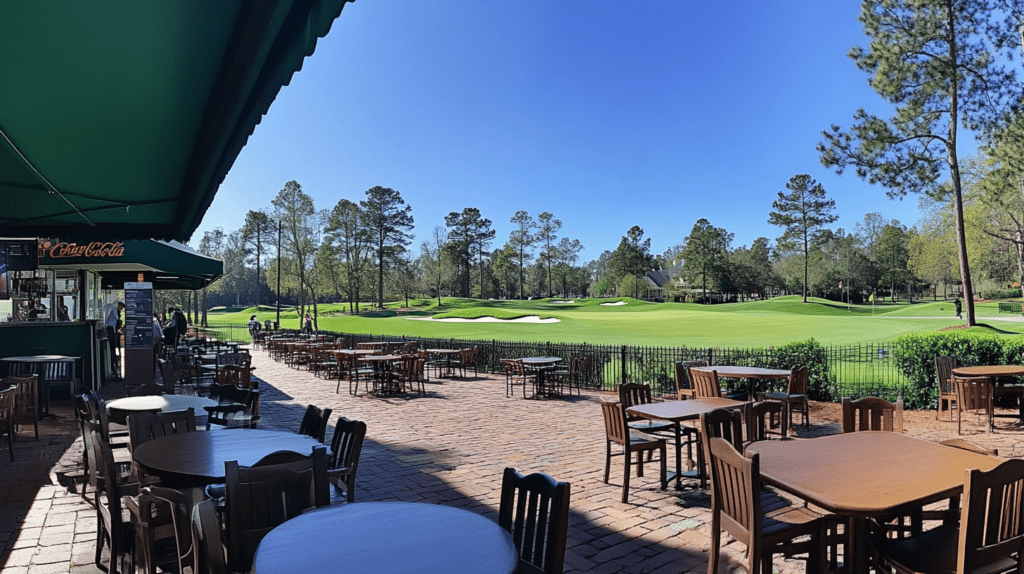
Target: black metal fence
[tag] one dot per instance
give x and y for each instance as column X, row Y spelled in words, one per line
column 852, row 370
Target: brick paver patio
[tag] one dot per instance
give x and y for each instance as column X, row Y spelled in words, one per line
column 447, row 447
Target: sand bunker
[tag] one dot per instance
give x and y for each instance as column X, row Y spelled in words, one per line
column 613, row 304
column 529, row 319
column 562, row 302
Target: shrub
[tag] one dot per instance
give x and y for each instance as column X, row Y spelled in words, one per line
column 1001, row 294
column 915, row 357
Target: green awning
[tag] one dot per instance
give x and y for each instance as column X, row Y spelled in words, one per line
column 121, row 119
column 165, row 264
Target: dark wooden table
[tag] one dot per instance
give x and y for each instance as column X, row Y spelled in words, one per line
column 676, row 412
column 749, row 374
column 449, row 371
column 867, row 474
column 993, row 372
column 45, row 366
column 386, row 538
column 541, row 365
column 119, row 410
column 384, row 373
column 198, row 458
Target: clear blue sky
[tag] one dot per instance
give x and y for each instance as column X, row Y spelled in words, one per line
column 606, row 114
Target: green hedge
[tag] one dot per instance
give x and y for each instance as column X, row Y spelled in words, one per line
column 915, row 357
column 810, row 354
column 1001, row 294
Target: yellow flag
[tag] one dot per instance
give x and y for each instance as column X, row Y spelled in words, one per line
column 872, row 298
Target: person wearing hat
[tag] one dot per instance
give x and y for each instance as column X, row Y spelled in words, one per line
column 113, row 323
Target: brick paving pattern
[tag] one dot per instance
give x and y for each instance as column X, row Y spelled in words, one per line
column 448, row 446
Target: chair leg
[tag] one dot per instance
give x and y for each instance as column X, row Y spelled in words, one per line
column 664, row 467
column 716, row 538
column 607, row 459
column 628, row 458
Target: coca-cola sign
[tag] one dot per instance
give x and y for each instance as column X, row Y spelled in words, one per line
column 63, row 250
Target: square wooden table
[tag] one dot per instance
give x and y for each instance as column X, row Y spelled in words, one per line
column 676, row 412
column 993, row 372
column 866, row 474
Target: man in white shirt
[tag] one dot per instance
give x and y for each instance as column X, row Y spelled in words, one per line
column 113, row 338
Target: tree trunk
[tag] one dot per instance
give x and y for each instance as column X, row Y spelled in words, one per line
column 954, row 169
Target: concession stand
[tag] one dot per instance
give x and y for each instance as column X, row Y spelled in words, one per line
column 105, row 149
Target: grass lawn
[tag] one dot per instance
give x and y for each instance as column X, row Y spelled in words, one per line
column 755, row 324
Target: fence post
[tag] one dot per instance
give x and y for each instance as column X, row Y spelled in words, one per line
column 623, row 364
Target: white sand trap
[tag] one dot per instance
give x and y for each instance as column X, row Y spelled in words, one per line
column 529, row 319
column 615, row 304
column 562, row 302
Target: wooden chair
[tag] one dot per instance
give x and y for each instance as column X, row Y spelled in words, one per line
column 989, row 538
column 241, row 376
column 515, row 374
column 170, row 382
column 760, row 417
column 408, row 373
column 235, row 409
column 973, row 394
column 26, row 401
column 795, row 396
column 209, row 554
column 163, row 531
column 618, row 432
column 684, row 385
column 535, row 510
column 736, row 508
column 705, row 384
column 944, row 382
column 111, row 531
column 277, row 488
column 7, row 416
column 355, row 371
column 144, row 427
column 952, row 514
column 720, row 423
column 631, row 394
column 579, row 368
column 872, row 414
column 314, row 422
column 467, row 360
column 346, row 446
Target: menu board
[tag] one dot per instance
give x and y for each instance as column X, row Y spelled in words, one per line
column 21, row 255
column 138, row 315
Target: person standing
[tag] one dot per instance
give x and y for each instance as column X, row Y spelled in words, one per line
column 180, row 322
column 113, row 324
column 308, row 326
column 959, row 308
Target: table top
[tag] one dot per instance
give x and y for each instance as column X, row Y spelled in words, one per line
column 990, row 371
column 745, row 372
column 380, row 358
column 153, row 403
column 531, row 361
column 867, row 473
column 676, row 411
column 201, row 455
column 444, row 351
column 430, row 538
column 39, row 359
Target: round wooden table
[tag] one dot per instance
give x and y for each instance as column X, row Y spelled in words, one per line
column 197, row 458
column 449, row 369
column 382, row 366
column 121, row 409
column 386, row 538
column 541, row 365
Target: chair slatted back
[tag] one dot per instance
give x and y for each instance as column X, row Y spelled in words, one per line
column 759, row 418
column 277, row 488
column 992, row 518
column 973, row 393
column 237, row 376
column 705, row 384
column 206, row 535
column 346, row 446
column 167, row 374
column 615, row 427
column 535, row 510
column 631, row 394
column 944, row 366
column 314, row 422
column 144, row 427
column 724, row 424
column 736, row 491
column 26, row 396
column 684, row 385
column 872, row 414
column 798, row 377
